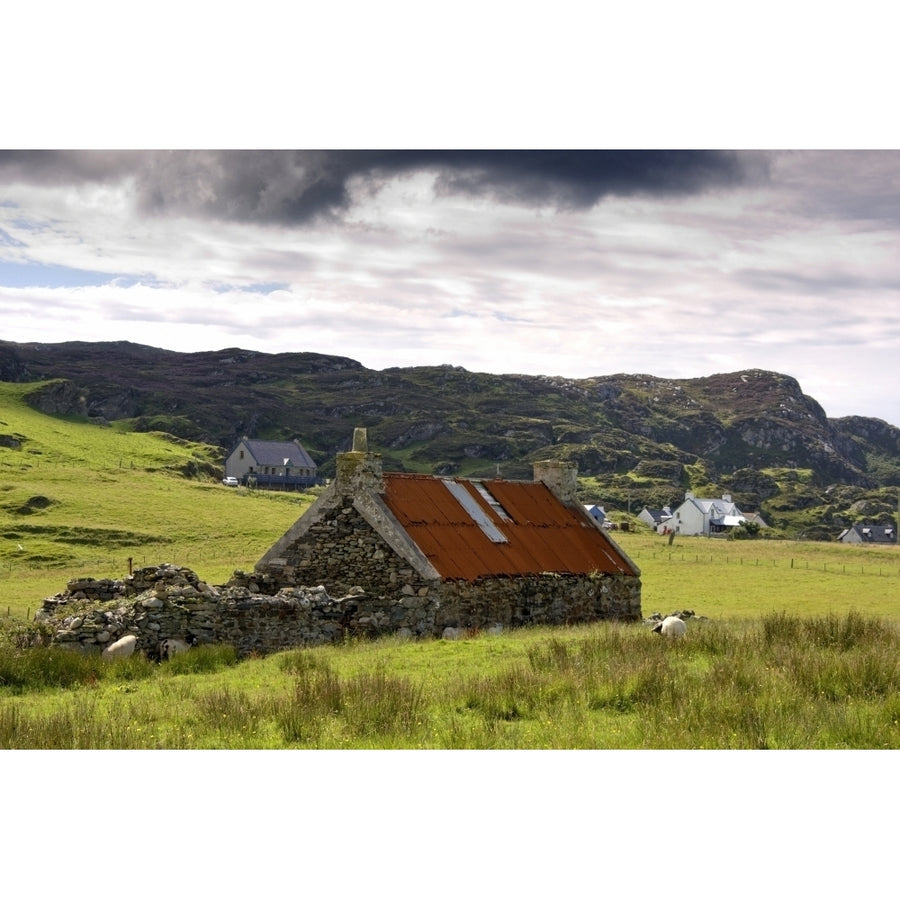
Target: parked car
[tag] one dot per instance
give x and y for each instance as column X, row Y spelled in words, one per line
column 230, row 481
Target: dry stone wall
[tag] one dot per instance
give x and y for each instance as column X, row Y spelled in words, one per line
column 164, row 602
column 255, row 616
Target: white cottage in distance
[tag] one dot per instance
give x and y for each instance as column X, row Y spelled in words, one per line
column 704, row 516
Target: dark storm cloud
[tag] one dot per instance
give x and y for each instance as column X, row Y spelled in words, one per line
column 53, row 168
column 577, row 179
column 286, row 186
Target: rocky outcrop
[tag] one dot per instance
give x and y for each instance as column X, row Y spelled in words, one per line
column 58, row 398
column 752, row 418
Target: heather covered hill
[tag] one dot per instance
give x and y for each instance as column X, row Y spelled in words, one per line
column 638, row 439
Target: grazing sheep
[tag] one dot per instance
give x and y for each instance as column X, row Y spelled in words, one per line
column 121, row 648
column 171, row 647
column 671, row 626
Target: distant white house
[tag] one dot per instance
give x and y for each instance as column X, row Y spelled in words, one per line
column 656, row 518
column 274, row 464
column 698, row 515
column 869, row 534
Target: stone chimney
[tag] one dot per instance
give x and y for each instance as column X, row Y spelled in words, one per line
column 560, row 477
column 358, row 471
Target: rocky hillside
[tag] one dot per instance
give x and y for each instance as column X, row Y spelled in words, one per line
column 638, row 440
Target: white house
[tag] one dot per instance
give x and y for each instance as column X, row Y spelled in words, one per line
column 656, row 518
column 703, row 516
column 278, row 464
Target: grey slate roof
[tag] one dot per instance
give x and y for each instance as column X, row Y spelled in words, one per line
column 274, row 453
column 872, row 534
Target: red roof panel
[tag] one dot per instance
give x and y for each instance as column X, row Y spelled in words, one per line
column 544, row 535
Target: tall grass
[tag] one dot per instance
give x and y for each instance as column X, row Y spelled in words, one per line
column 25, row 670
column 363, row 707
column 784, row 682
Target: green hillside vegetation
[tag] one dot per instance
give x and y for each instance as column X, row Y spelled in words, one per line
column 638, row 440
column 78, row 498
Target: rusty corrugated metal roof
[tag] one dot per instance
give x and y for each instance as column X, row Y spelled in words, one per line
column 538, row 534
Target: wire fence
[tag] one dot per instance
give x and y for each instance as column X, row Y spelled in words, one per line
column 785, row 563
column 119, row 564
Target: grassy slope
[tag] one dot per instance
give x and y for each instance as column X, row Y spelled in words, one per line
column 79, row 499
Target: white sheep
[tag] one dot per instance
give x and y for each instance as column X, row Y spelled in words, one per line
column 171, row 647
column 671, row 626
column 121, row 648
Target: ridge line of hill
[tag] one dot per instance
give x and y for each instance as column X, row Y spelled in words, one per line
column 752, row 432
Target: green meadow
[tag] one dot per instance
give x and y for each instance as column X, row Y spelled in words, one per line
column 741, row 579
column 81, row 499
column 797, row 647
column 781, row 682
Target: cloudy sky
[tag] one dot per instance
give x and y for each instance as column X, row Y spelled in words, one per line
column 574, row 263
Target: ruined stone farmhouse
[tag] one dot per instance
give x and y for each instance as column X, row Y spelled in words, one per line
column 378, row 553
column 477, row 553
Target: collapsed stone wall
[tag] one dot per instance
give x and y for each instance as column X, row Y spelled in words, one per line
column 163, row 602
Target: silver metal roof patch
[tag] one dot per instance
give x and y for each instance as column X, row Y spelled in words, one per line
column 476, row 513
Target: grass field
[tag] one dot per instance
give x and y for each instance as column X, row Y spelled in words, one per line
column 738, row 579
column 148, row 517
column 799, row 649
column 785, row 682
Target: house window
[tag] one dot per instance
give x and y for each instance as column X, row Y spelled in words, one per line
column 242, row 454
